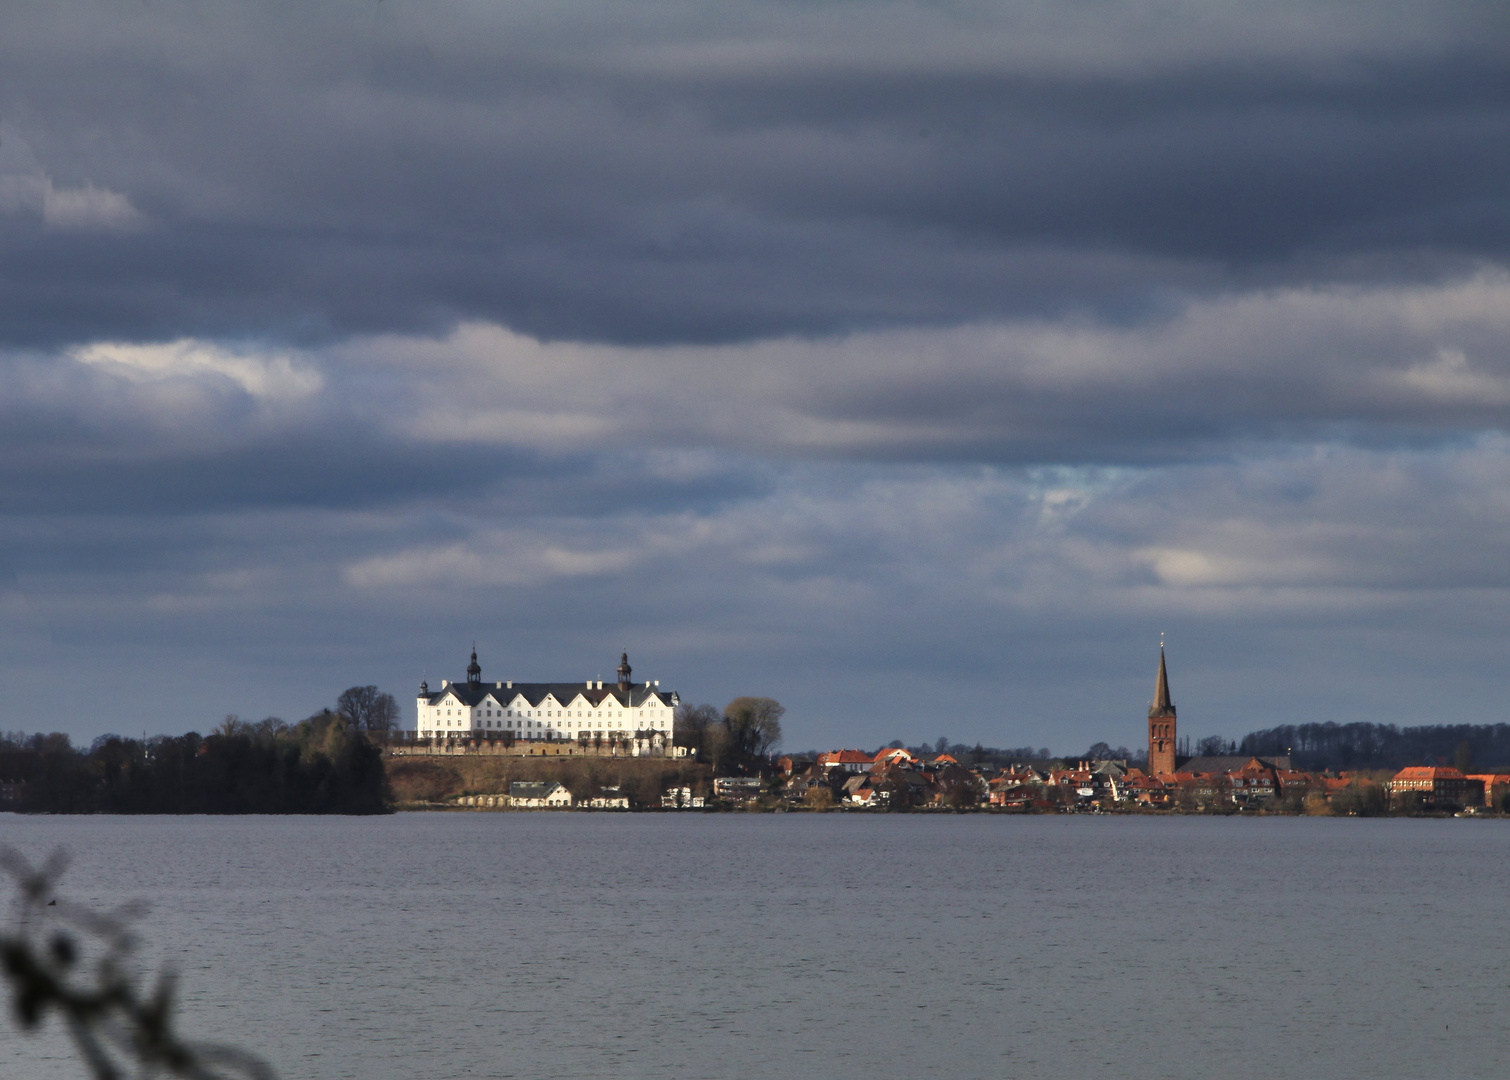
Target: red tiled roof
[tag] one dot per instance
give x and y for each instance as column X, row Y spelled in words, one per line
column 1428, row 772
column 844, row 757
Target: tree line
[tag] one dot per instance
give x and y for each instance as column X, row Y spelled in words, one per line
column 1383, row 746
column 739, row 739
column 329, row 763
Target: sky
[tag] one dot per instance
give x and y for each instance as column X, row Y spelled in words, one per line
column 918, row 365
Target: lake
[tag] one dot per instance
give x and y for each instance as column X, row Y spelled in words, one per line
column 694, row 946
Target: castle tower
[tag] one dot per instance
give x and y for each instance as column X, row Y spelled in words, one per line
column 624, row 672
column 1161, row 724
column 474, row 669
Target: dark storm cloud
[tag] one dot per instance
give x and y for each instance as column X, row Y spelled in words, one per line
column 308, row 172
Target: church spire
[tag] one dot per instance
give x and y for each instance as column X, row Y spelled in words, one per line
column 1161, row 702
column 1162, row 721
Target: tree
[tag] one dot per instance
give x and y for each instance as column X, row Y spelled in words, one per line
column 1463, row 757
column 366, row 708
column 818, row 797
column 690, row 725
column 753, row 725
column 964, row 796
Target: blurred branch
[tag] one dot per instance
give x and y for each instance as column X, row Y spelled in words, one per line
column 119, row 1032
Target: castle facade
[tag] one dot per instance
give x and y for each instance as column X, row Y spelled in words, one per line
column 634, row 718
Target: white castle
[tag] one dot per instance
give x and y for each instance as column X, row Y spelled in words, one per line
column 634, row 718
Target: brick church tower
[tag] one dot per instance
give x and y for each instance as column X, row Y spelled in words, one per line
column 1161, row 724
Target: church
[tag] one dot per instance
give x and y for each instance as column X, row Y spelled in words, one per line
column 636, row 718
column 1161, row 723
column 1162, row 739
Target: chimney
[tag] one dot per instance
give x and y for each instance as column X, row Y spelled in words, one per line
column 511, row 684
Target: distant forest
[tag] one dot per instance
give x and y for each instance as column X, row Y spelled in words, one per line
column 1478, row 747
column 323, row 765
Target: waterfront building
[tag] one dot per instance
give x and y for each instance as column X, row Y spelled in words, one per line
column 635, row 719
column 1441, row 788
column 534, row 795
column 1161, row 724
column 1492, row 782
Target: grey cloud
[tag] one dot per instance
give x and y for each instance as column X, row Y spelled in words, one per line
column 667, row 175
column 484, row 413
column 1031, row 594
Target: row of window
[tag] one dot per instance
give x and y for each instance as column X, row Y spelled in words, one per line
column 546, row 712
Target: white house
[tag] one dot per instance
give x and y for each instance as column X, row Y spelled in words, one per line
column 634, row 717
column 535, row 795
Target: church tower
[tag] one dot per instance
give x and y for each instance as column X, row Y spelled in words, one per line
column 1161, row 724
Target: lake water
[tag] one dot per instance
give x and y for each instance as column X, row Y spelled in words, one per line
column 429, row 946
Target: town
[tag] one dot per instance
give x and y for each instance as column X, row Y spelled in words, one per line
column 727, row 764
column 629, row 745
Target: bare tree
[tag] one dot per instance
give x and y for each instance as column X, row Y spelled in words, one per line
column 691, row 724
column 367, row 708
column 754, row 725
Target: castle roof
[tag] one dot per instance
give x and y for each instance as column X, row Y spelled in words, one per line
column 473, row 693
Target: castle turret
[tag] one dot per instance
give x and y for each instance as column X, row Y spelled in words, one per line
column 624, row 671
column 474, row 669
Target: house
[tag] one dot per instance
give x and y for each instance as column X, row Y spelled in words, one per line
column 1015, row 788
column 904, row 787
column 681, row 798
column 1435, row 786
column 894, row 755
column 1253, row 783
column 851, row 761
column 634, row 719
column 797, row 785
column 790, row 764
column 1490, row 782
column 1148, row 790
column 864, row 795
column 738, row 788
column 535, row 795
column 1081, row 783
